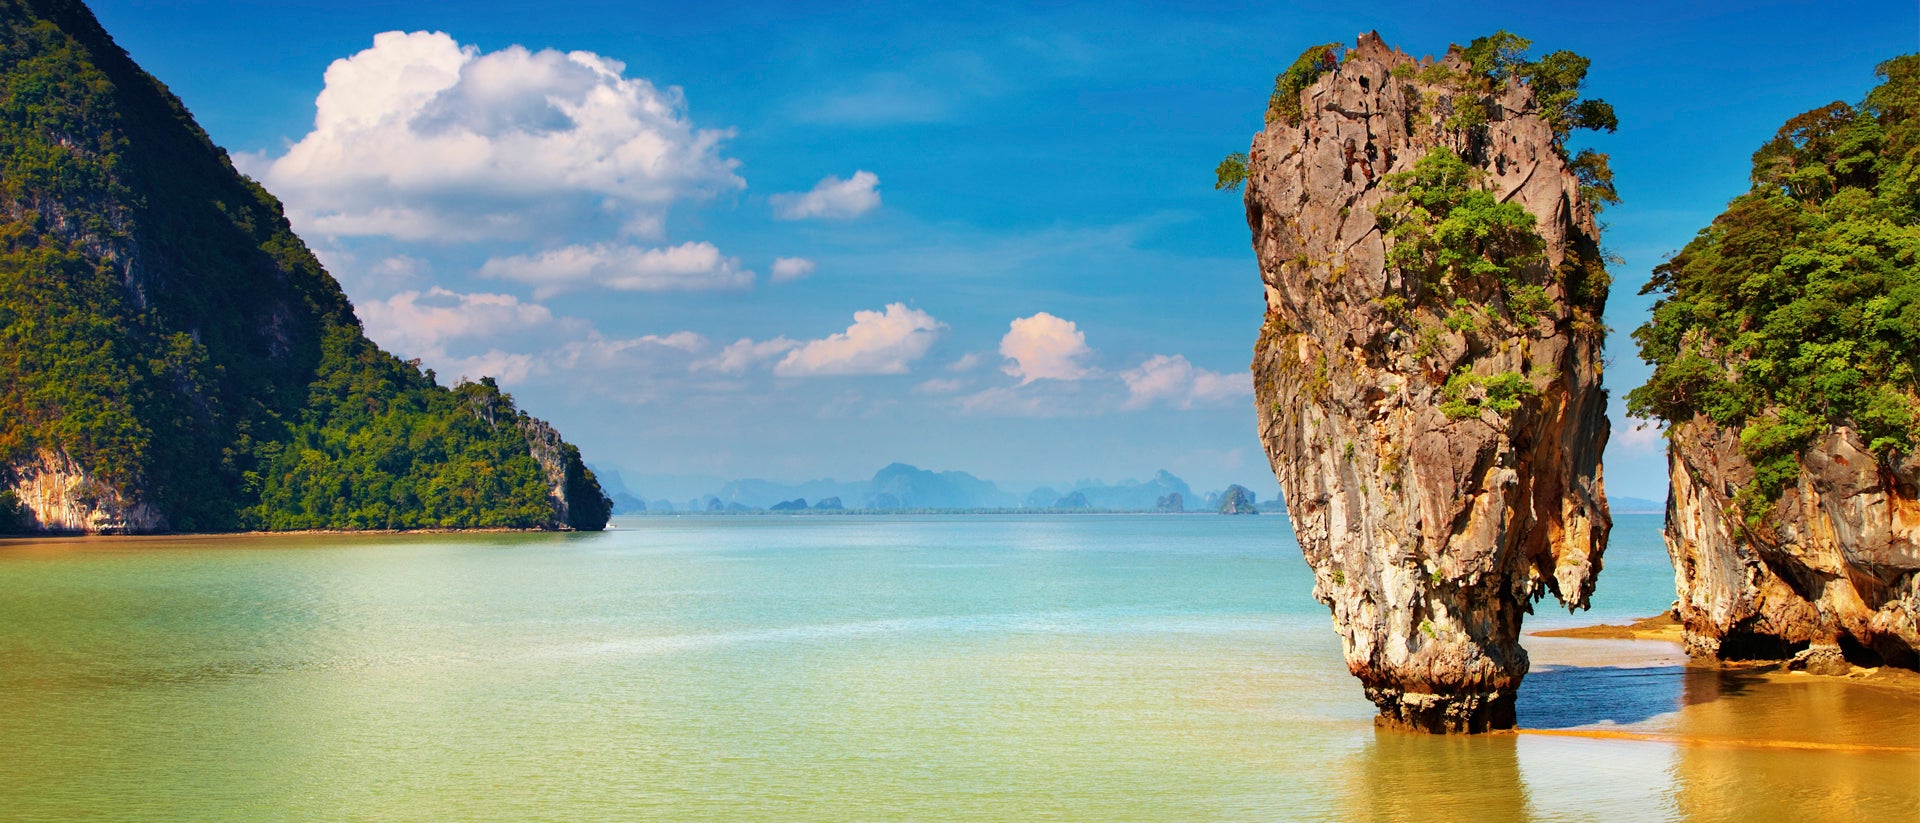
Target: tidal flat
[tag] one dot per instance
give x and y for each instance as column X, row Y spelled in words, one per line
column 873, row 668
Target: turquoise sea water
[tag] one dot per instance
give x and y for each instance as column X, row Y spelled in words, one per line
column 845, row 668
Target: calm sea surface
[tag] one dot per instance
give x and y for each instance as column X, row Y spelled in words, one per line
column 1150, row 668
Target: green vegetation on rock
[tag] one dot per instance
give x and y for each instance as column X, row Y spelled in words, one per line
column 1446, row 227
column 163, row 329
column 1284, row 104
column 1798, row 310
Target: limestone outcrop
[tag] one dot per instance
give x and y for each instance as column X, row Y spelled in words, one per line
column 56, row 495
column 1436, row 429
column 1829, row 575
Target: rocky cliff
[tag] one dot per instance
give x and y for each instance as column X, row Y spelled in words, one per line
column 1428, row 377
column 1829, row 575
column 173, row 357
column 1785, row 344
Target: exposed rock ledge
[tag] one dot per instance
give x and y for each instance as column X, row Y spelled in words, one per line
column 55, row 495
column 1429, row 536
column 1832, row 573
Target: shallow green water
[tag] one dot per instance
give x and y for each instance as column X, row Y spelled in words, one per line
column 847, row 668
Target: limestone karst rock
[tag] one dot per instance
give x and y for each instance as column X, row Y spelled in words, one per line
column 1830, row 572
column 1237, row 500
column 1436, row 428
column 1785, row 342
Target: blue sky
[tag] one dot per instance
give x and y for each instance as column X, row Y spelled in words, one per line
column 928, row 173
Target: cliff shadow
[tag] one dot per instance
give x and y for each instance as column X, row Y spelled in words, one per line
column 1567, row 696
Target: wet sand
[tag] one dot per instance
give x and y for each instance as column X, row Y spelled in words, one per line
column 1658, row 627
column 1635, row 683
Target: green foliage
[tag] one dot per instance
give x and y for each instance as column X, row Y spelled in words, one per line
column 378, row 446
column 1467, row 394
column 1798, row 309
column 1231, row 174
column 1596, row 179
column 1555, row 79
column 1461, row 320
column 13, row 518
column 1446, row 228
column 161, row 325
column 1284, row 104
column 1527, row 302
column 1498, row 56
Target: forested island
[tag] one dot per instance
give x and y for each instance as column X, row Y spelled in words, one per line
column 1786, row 346
column 174, row 358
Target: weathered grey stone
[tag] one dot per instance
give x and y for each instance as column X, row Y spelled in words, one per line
column 1832, row 564
column 1430, row 537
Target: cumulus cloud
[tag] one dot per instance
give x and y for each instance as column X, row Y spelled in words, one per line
column 1170, row 379
column 788, row 269
column 878, row 342
column 1640, row 437
column 601, row 353
column 744, row 354
column 1045, row 347
column 421, row 137
column 686, row 267
column 506, row 367
column 831, row 198
column 422, row 322
column 967, row 362
column 939, row 385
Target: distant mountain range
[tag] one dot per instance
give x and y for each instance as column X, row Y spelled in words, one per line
column 903, row 487
column 899, row 486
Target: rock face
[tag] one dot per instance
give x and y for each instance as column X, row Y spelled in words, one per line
column 578, row 501
column 56, row 495
column 1830, row 574
column 1430, row 533
column 1237, row 500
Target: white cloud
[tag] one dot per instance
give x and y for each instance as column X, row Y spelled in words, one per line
column 1040, row 400
column 686, row 267
column 788, row 269
column 601, row 353
column 421, row 323
column 744, row 354
column 1640, row 437
column 939, row 385
column 1045, row 347
column 421, row 137
column 877, row 343
column 1172, row 380
column 506, row 367
column 967, row 362
column 831, row 198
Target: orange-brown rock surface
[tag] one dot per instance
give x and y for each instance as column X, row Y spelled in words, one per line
column 1430, row 534
column 1829, row 574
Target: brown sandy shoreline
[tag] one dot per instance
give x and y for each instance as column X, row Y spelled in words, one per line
column 1663, row 628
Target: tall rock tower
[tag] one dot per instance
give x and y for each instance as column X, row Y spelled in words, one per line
column 1428, row 378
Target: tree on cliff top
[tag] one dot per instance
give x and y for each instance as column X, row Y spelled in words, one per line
column 1491, row 61
column 1798, row 309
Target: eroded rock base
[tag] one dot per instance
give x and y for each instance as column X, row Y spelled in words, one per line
column 1459, row 713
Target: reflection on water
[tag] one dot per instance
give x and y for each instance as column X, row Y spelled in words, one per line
column 826, row 669
column 1404, row 776
column 1729, row 771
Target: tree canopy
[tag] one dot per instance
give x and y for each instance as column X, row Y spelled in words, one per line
column 1798, row 309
